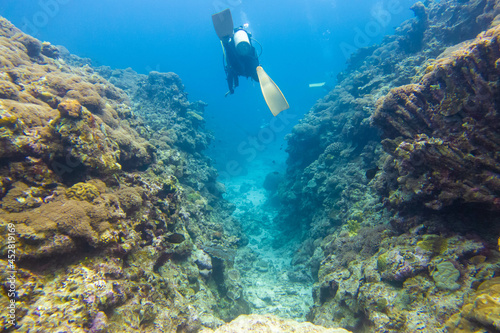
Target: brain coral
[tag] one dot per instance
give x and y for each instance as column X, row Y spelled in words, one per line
column 445, row 276
column 83, row 191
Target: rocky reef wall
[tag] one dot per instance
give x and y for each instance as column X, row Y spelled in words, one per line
column 111, row 219
column 443, row 131
column 400, row 233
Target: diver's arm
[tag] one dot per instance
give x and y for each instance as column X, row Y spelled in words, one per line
column 230, row 80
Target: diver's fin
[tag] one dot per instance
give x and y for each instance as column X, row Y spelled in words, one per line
column 272, row 94
column 223, row 23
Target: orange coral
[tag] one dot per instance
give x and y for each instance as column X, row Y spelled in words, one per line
column 70, row 108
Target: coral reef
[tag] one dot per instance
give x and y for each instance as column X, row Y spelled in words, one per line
column 395, row 232
column 67, row 116
column 444, row 135
column 108, row 198
column 481, row 310
column 120, row 225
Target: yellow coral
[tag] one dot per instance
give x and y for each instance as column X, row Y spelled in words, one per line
column 382, row 262
column 7, row 118
column 354, row 224
column 83, row 191
column 482, row 311
column 433, row 243
column 353, row 227
column 108, row 236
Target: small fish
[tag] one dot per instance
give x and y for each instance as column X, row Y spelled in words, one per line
column 50, row 186
column 370, row 173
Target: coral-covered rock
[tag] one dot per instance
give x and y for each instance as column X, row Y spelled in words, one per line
column 397, row 265
column 96, row 210
column 443, row 131
column 8, row 90
column 90, row 126
column 21, row 197
column 482, row 310
column 70, row 108
column 440, row 121
column 445, row 276
column 50, row 50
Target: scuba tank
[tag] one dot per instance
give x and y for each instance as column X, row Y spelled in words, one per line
column 242, row 42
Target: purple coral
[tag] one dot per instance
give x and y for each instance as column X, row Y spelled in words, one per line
column 99, row 323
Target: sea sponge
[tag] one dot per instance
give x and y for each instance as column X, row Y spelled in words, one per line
column 83, row 192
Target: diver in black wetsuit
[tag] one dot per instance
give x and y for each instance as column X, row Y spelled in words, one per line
column 240, row 58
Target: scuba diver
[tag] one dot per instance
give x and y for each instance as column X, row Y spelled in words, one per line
column 240, row 59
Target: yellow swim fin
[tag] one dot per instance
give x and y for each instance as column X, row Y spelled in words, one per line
column 272, row 94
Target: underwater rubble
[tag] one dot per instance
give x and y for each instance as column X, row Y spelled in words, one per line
column 401, row 234
column 269, row 323
column 271, row 284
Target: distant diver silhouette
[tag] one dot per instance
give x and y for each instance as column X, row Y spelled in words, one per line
column 241, row 59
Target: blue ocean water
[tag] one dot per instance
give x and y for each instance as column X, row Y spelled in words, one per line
column 303, row 42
